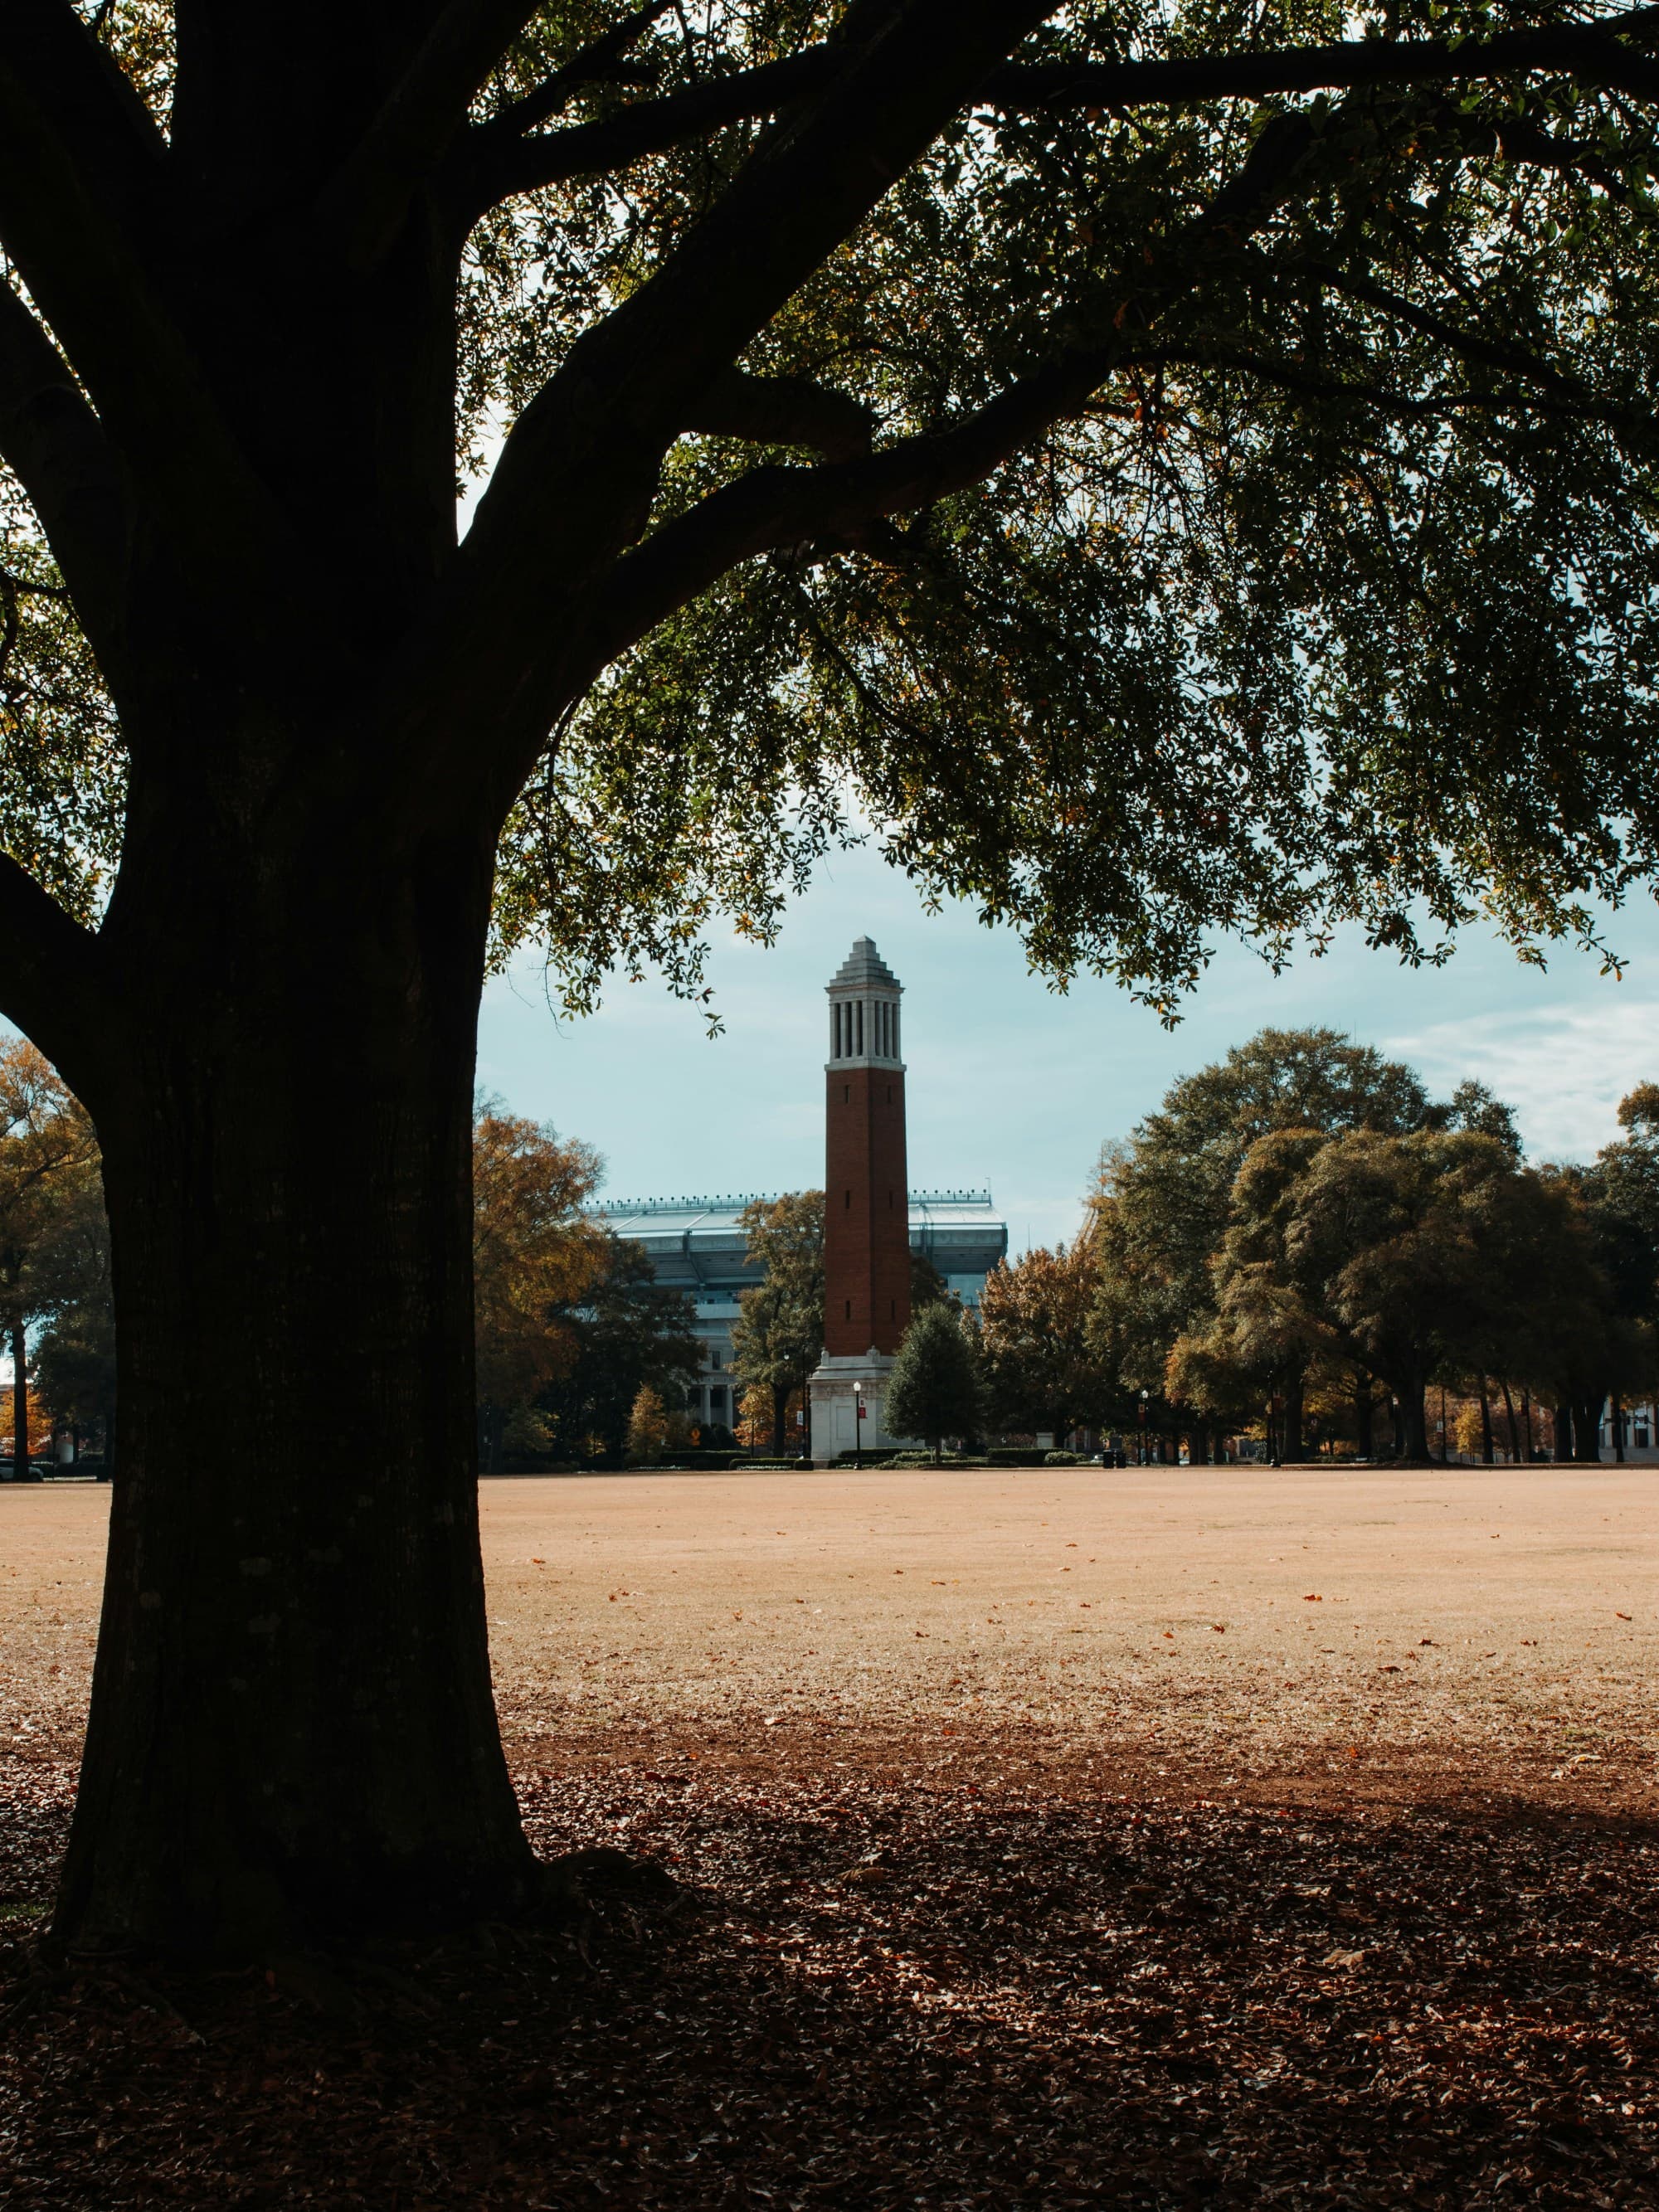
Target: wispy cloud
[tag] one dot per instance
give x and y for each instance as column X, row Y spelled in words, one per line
column 1563, row 1068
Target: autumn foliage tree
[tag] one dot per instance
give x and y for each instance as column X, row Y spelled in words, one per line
column 1037, row 1348
column 48, row 1172
column 777, row 1339
column 536, row 1252
column 1029, row 421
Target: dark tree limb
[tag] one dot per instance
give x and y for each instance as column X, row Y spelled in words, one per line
column 52, row 980
column 502, row 169
column 1596, row 52
column 414, row 129
column 88, row 220
column 783, row 411
column 629, row 384
column 56, row 448
column 597, row 63
column 499, row 167
column 836, row 505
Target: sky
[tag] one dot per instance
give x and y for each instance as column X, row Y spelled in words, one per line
column 1012, row 1088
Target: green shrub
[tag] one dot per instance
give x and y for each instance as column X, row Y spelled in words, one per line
column 1063, row 1459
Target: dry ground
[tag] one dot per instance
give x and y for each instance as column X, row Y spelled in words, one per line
column 1052, row 1837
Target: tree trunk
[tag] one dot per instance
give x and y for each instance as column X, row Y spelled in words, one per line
column 1616, row 1421
column 1529, row 1449
column 1415, row 1424
column 19, row 1398
column 1509, row 1415
column 292, row 1731
column 1488, row 1456
column 1587, row 1429
column 1293, row 1447
column 1364, row 1419
column 1564, row 1449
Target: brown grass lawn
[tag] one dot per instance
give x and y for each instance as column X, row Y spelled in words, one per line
column 1047, row 1838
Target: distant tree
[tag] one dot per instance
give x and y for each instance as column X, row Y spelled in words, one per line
column 535, row 1254
column 777, row 1339
column 935, row 1389
column 1472, row 1107
column 48, row 1153
column 629, row 1331
column 1162, row 1201
column 75, row 1364
column 1418, row 1254
column 648, row 1425
column 1037, row 1351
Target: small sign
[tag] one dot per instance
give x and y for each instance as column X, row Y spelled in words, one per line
column 860, row 1409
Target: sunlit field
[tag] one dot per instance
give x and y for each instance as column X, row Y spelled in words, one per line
column 1045, row 1837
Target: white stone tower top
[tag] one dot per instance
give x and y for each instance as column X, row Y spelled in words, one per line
column 864, row 1010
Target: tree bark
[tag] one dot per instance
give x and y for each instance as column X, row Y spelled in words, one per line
column 1616, row 1421
column 1529, row 1449
column 1564, row 1439
column 292, row 1732
column 1487, row 1454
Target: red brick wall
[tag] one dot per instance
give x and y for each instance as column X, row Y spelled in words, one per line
column 866, row 1243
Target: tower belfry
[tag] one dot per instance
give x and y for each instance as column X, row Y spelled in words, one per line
column 866, row 1243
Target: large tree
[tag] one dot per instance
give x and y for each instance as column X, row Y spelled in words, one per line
column 1179, row 468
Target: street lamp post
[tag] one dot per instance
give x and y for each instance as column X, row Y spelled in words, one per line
column 1144, row 1394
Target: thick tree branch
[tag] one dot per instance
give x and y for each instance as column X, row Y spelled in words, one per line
column 783, row 411
column 370, row 194
column 838, row 503
column 498, row 166
column 51, row 981
column 594, row 63
column 55, row 447
column 87, row 218
column 1597, row 53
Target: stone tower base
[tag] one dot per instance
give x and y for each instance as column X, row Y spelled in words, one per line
column 837, row 1386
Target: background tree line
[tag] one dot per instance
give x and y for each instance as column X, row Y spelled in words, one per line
column 1301, row 1238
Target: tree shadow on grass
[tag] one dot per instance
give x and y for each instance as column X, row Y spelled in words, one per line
column 878, row 1995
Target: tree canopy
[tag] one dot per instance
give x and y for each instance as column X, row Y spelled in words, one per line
column 1237, row 433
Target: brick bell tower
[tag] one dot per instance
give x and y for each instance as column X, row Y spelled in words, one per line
column 866, row 1243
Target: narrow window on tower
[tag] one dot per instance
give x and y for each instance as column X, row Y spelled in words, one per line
column 892, row 1309
column 847, row 1208
column 848, row 1303
column 834, row 1031
column 860, row 1006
